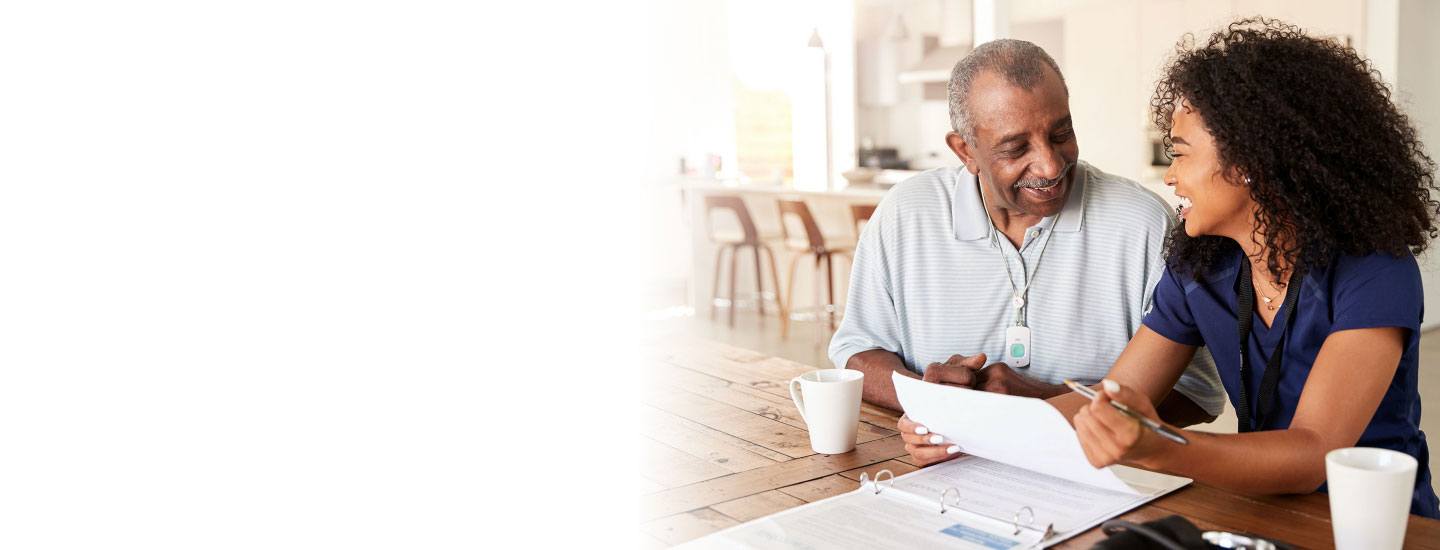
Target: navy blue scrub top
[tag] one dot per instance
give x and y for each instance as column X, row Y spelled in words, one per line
column 1353, row 292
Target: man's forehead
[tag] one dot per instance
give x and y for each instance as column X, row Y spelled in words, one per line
column 1001, row 107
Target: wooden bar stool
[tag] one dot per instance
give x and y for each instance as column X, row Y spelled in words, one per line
column 748, row 237
column 810, row 242
column 861, row 214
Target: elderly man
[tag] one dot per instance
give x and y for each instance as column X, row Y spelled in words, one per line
column 1025, row 255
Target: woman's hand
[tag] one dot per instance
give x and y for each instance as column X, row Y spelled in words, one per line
column 1108, row 436
column 925, row 448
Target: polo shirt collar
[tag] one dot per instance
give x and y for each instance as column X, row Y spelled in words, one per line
column 971, row 222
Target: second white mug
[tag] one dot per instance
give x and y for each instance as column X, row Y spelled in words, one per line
column 829, row 402
column 1370, row 491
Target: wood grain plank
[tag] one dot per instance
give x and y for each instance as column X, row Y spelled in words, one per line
column 771, row 434
column 732, row 453
column 818, row 489
column 755, row 369
column 784, row 369
column 1316, row 505
column 1234, row 512
column 671, row 468
column 1423, row 533
column 759, row 480
column 686, row 526
column 895, row 466
column 906, row 459
column 721, row 436
column 758, row 377
column 757, row 505
column 1302, row 520
column 761, row 368
column 768, row 405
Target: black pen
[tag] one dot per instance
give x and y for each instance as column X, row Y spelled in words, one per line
column 1154, row 426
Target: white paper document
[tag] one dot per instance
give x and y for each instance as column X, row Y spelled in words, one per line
column 1019, row 431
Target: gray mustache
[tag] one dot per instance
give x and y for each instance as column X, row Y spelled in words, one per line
column 1043, row 183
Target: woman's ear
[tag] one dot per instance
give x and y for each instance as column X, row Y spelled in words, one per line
column 1237, row 177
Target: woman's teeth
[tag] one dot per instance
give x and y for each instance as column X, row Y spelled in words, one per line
column 1184, row 207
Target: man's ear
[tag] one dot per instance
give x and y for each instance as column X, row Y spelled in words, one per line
column 964, row 150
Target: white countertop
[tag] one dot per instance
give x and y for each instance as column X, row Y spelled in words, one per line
column 865, row 192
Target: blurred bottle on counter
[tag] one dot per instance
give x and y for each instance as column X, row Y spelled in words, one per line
column 713, row 165
column 867, row 153
column 710, row 166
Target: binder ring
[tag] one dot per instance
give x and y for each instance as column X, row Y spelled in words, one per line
column 864, row 477
column 948, row 491
column 1029, row 515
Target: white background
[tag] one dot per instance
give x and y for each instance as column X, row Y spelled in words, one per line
column 313, row 274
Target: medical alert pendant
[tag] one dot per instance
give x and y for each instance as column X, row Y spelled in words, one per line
column 1017, row 346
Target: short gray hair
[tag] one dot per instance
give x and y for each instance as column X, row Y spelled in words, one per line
column 1021, row 63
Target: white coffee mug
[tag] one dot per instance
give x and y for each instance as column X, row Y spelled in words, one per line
column 1370, row 491
column 829, row 402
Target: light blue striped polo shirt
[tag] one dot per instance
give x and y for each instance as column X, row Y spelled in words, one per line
column 928, row 283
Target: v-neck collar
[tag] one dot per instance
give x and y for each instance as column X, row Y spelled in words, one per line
column 1268, row 336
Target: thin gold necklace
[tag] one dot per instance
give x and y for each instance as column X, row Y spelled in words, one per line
column 1270, row 301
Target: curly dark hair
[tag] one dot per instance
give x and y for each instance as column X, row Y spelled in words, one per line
column 1334, row 166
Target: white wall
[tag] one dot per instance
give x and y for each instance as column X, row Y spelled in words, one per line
column 915, row 127
column 694, row 114
column 1102, row 70
column 837, row 23
column 1115, row 49
column 1417, row 80
column 693, row 95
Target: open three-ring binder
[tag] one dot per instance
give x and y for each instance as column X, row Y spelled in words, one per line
column 1023, row 482
column 1022, row 521
column 969, row 502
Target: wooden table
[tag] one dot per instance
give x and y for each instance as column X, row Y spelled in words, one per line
column 725, row 445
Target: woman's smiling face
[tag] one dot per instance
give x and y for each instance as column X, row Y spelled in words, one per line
column 1212, row 203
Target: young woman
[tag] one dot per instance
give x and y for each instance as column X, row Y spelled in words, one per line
column 1306, row 189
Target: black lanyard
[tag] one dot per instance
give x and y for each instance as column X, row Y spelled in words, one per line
column 1271, row 377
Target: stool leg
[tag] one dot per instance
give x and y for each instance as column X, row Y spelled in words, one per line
column 715, row 283
column 759, row 283
column 830, row 288
column 779, row 300
column 815, row 277
column 790, row 292
column 845, row 288
column 734, row 251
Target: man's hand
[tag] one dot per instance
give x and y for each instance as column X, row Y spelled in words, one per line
column 1000, row 378
column 959, row 370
